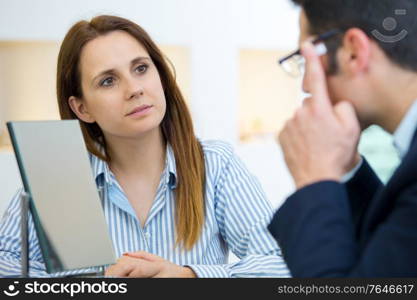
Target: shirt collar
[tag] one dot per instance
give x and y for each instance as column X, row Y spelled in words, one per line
column 171, row 168
column 101, row 170
column 403, row 135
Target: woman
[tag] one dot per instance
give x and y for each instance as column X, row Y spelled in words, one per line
column 174, row 205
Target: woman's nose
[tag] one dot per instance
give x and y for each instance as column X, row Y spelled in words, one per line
column 134, row 89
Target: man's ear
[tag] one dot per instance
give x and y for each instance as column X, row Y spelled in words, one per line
column 79, row 108
column 356, row 51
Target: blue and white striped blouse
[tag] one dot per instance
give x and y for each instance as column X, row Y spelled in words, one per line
column 237, row 215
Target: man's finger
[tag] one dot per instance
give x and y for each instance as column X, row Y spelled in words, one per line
column 346, row 114
column 315, row 77
column 282, row 135
column 308, row 102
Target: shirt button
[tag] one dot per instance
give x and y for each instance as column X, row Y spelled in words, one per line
column 147, row 235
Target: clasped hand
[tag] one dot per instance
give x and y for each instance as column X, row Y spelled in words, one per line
column 145, row 265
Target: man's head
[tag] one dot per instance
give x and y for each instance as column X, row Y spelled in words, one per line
column 378, row 40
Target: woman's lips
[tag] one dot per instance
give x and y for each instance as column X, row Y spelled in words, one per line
column 139, row 111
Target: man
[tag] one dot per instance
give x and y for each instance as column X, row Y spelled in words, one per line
column 342, row 221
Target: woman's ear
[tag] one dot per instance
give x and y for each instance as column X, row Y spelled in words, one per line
column 79, row 108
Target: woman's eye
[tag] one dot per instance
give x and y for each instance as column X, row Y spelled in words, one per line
column 141, row 68
column 107, row 81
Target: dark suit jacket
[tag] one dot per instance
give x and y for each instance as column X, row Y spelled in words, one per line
column 358, row 229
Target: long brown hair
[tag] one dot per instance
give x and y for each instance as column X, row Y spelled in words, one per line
column 176, row 125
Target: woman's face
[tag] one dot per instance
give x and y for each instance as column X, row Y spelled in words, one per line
column 122, row 90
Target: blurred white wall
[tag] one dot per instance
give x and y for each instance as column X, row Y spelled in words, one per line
column 214, row 31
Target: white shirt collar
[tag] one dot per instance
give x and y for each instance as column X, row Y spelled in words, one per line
column 403, row 135
column 101, row 169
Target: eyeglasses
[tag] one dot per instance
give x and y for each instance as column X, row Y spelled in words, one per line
column 293, row 64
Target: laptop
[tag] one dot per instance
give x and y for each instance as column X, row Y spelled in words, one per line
column 63, row 198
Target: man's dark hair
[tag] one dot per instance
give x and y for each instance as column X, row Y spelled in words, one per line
column 369, row 16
